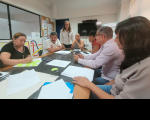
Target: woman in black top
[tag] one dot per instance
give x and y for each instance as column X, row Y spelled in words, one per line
column 15, row 52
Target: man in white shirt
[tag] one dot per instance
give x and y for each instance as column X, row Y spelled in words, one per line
column 53, row 44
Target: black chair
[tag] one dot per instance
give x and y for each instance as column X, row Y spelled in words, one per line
column 40, row 52
column 85, row 47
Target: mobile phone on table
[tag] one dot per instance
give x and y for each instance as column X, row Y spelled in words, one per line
column 86, row 52
column 47, row 59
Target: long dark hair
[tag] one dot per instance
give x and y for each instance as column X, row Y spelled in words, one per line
column 63, row 29
column 134, row 35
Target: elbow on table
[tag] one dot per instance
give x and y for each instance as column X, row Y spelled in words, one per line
column 5, row 63
column 96, row 66
column 72, row 47
column 82, row 48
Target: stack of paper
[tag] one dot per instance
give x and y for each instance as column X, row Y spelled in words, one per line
column 34, row 63
column 56, row 90
column 75, row 50
column 63, row 52
column 72, row 72
column 21, row 81
column 70, row 86
column 3, row 74
column 59, row 63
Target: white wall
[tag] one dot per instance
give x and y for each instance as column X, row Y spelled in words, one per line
column 36, row 6
column 123, row 10
column 140, row 8
column 103, row 18
column 119, row 13
column 83, row 12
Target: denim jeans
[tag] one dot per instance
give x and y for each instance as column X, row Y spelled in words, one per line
column 105, row 88
column 98, row 80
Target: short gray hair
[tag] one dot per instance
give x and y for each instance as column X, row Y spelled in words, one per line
column 53, row 33
column 107, row 31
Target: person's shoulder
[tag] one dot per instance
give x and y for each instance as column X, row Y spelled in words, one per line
column 111, row 44
column 95, row 43
column 9, row 45
column 26, row 48
column 48, row 41
column 82, row 40
column 57, row 40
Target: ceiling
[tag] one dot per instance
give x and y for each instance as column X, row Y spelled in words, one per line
column 13, row 11
column 67, row 4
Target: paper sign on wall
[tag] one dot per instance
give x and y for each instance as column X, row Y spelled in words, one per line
column 45, row 33
column 47, row 20
column 50, row 29
column 35, row 35
column 2, row 45
column 44, row 22
column 44, row 40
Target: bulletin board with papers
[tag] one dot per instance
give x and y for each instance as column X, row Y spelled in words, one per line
column 47, row 28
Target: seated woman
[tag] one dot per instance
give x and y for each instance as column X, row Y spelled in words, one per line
column 92, row 38
column 77, row 43
column 133, row 80
column 15, row 52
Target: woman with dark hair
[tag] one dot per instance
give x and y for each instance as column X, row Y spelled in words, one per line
column 92, row 38
column 15, row 52
column 66, row 35
column 133, row 80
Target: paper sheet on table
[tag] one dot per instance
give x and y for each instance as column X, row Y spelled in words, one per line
column 73, row 71
column 63, row 52
column 27, row 92
column 34, row 63
column 85, row 53
column 21, row 81
column 70, row 96
column 76, row 50
column 4, row 74
column 56, row 90
column 59, row 63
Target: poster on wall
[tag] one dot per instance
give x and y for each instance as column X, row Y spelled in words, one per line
column 45, row 33
column 50, row 29
column 44, row 40
column 2, row 44
column 35, row 35
column 47, row 20
column 35, row 46
column 44, row 24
